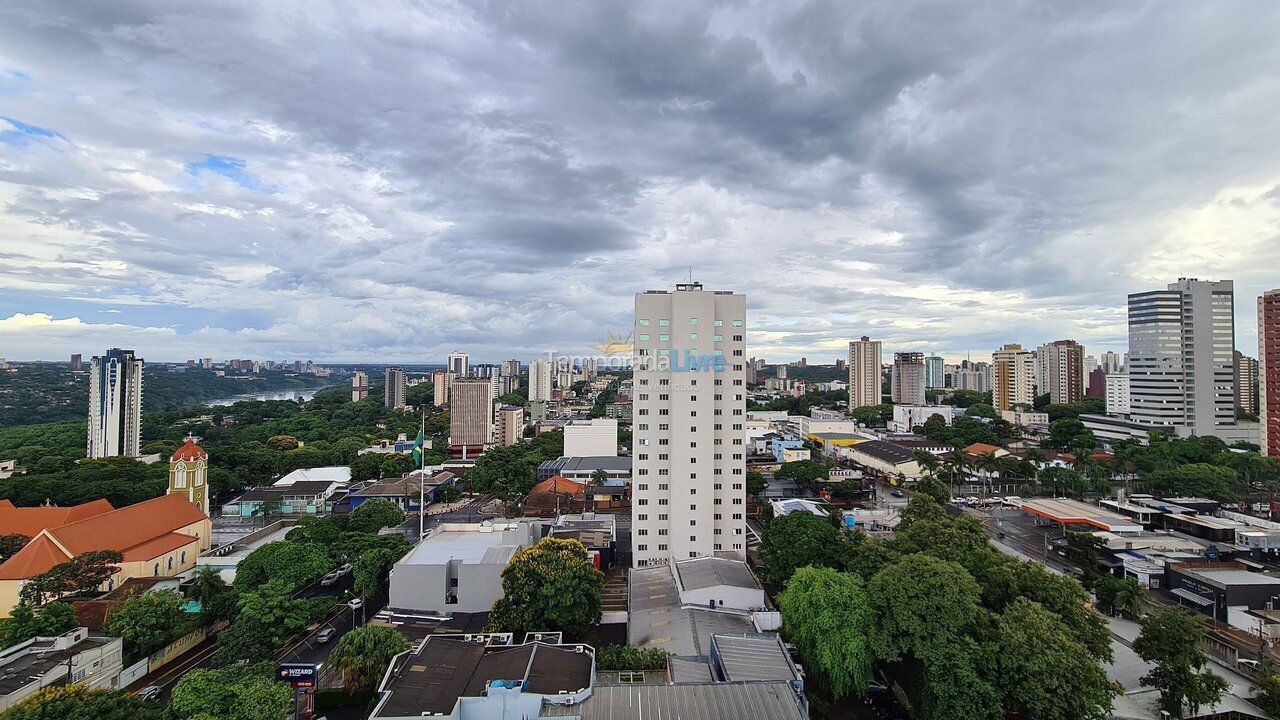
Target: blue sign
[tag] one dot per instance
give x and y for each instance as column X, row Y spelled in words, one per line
column 693, row 362
column 297, row 674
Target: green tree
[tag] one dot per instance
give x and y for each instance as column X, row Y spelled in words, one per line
column 10, row 544
column 282, row 442
column 374, row 515
column 1063, row 596
column 362, row 656
column 1170, row 640
column 826, row 615
column 934, row 488
column 921, row 603
column 552, row 585
column 1195, row 480
column 267, row 618
column 77, row 702
column 802, row 472
column 242, row 692
column 1044, row 672
column 982, row 410
column 373, row 570
column 1118, row 597
column 1266, row 689
column 1063, row 432
column 794, row 541
column 954, row 689
column 293, row 563
column 755, row 483
column 81, row 574
column 145, row 623
column 1084, row 551
column 26, row 622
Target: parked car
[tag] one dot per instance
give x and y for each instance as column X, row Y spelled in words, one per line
column 898, row 493
column 355, row 603
column 329, row 579
column 1248, row 664
column 325, row 635
column 150, row 692
column 346, row 568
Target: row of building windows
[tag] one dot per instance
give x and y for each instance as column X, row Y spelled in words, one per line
column 642, row 517
column 662, row 548
column 665, row 322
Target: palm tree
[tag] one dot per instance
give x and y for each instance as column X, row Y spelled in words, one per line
column 206, row 586
column 928, row 462
column 1128, row 600
column 988, row 464
column 598, row 478
column 363, row 654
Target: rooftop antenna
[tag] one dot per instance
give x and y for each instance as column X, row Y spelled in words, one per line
column 690, row 274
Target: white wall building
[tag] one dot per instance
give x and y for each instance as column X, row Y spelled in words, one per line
column 1015, row 377
column 459, row 364
column 115, row 404
column 539, row 381
column 864, row 373
column 510, row 425
column 1118, row 394
column 441, row 382
column 690, row 382
column 597, row 437
column 906, row 417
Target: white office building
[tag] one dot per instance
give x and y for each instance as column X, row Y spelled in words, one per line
column 864, row 373
column 459, row 364
column 690, row 406
column 540, row 381
column 1182, row 358
column 1117, row 394
column 935, row 371
column 591, row 438
column 115, row 404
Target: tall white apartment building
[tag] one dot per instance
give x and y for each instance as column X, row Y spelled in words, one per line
column 1182, row 357
column 689, row 484
column 510, row 425
column 540, row 381
column 441, row 381
column 935, row 372
column 597, row 437
column 864, row 373
column 359, row 387
column 393, row 391
column 1111, row 362
column 1117, row 394
column 1061, row 369
column 907, row 379
column 459, row 364
column 115, row 404
column 1015, row 377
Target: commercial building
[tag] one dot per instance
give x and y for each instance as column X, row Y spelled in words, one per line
column 159, row 537
column 459, row 364
column 1015, row 377
column 510, row 368
column 583, row 469
column 907, row 380
column 470, row 415
column 864, row 373
column 886, row 460
column 74, row 656
column 1118, row 394
column 1246, row 384
column 1061, row 371
column 690, row 466
column 1212, row 588
column 458, row 566
column 115, row 404
column 935, row 372
column 540, row 381
column 510, row 425
column 359, row 387
column 907, row 417
column 393, row 392
column 977, row 379
column 1269, row 371
column 1111, row 364
column 1181, row 358
column 591, row 438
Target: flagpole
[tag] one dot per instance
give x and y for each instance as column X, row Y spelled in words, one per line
column 422, row 470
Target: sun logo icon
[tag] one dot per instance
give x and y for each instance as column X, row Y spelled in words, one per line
column 615, row 345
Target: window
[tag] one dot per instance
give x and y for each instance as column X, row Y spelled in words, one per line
column 717, row 546
column 715, row 531
column 663, row 337
column 184, row 557
column 717, row 502
column 662, row 501
column 643, row 411
column 693, row 491
column 664, row 352
column 664, row 323
column 644, row 426
column 664, row 396
column 644, row 322
column 662, row 486
column 662, row 547
column 693, row 523
column 693, row 398
column 642, row 456
column 692, row 538
column 664, row 441
column 179, row 479
column 644, row 337
column 693, row 443
column 663, row 411
column 693, row 413
column 719, row 323
column 663, row 471
column 170, row 563
column 663, row 456
column 737, row 323
column 716, row 516
column 719, row 486
column 693, row 506
column 737, row 546
column 693, row 321
column 737, row 516
column 718, row 353
column 642, row 501
column 737, row 501
column 642, row 531
column 156, row 570
column 719, row 338
column 642, row 517
column 642, row 548
column 630, row 677
column 662, row 531
column 693, row 336
column 665, row 426
column 662, row 516
column 737, row 353
column 642, row 486
column 737, row 338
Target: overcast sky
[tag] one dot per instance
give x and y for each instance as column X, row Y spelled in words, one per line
column 384, row 182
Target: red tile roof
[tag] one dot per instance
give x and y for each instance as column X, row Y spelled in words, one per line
column 189, row 451
column 560, row 485
column 981, row 449
column 30, row 521
column 36, row 557
column 158, row 546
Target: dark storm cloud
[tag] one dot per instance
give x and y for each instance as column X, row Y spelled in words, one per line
column 943, row 175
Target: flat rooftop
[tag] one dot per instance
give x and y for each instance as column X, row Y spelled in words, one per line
column 753, row 657
column 493, row 543
column 430, row 680
column 1227, row 576
column 1212, row 522
column 658, row 619
column 1074, row 512
column 39, row 659
column 717, row 701
column 711, row 571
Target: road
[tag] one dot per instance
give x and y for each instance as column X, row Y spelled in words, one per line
column 469, row 513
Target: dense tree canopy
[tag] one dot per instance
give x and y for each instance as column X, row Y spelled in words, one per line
column 552, row 585
column 1044, row 672
column 26, row 622
column 242, row 692
column 373, row 515
column 294, row 564
column 1170, row 641
column 77, row 702
column 796, row 540
column 363, row 654
column 826, row 615
column 146, row 622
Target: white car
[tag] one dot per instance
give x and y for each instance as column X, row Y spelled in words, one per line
column 355, row 603
column 325, row 635
column 151, row 692
column 329, row 579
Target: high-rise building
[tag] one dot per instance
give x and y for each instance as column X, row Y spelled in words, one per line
column 77, row 364
column 1015, row 377
column 864, row 373
column 781, row 372
column 540, row 381
column 1097, row 383
column 907, row 379
column 935, row 372
column 441, row 381
column 690, row 468
column 359, row 387
column 470, row 414
column 207, row 364
column 189, row 474
column 976, row 379
column 459, row 364
column 393, row 391
column 1062, row 371
column 1246, row 369
column 115, row 404
column 1111, row 363
column 841, row 364
column 1181, row 358
column 1118, row 394
column 510, row 425
column 1269, row 371
column 510, row 368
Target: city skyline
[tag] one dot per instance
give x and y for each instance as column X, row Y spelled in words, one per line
column 175, row 183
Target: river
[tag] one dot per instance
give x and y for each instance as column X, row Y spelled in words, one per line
column 290, row 394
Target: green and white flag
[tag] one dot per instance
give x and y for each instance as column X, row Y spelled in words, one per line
column 417, row 449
